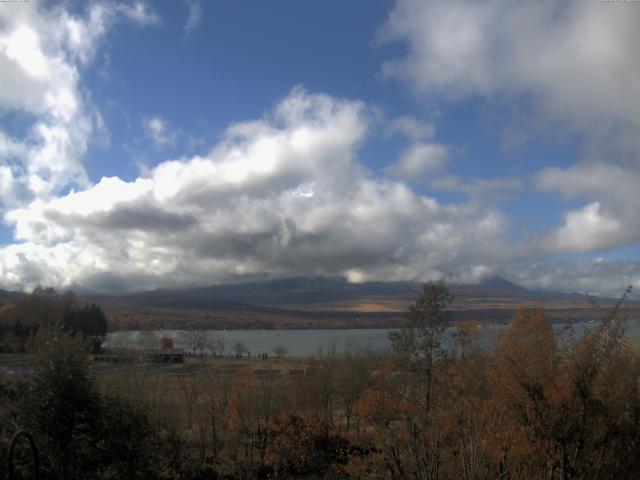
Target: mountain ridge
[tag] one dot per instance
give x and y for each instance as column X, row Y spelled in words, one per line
column 299, row 290
column 324, row 302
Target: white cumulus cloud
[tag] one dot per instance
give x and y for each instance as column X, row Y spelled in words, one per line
column 420, row 159
column 42, row 52
column 281, row 195
column 576, row 60
column 159, row 131
column 570, row 68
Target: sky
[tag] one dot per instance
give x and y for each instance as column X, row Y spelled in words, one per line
column 188, row 143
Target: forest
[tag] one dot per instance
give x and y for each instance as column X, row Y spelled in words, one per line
column 535, row 406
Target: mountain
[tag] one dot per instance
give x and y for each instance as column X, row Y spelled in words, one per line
column 308, row 290
column 317, row 302
column 188, row 300
column 322, row 302
column 500, row 284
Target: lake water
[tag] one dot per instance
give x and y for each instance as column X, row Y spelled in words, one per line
column 300, row 343
column 310, row 342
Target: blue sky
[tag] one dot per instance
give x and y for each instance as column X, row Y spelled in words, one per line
column 189, row 143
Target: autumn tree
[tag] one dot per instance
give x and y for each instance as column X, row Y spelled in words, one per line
column 21, row 320
column 317, row 394
column 352, row 380
column 212, row 409
column 81, row 433
column 522, row 383
column 194, row 340
column 419, row 338
column 305, row 448
column 216, row 343
column 88, row 320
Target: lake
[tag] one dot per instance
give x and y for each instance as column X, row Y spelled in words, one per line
column 305, row 343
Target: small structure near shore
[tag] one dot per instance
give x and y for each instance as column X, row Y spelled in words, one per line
column 166, row 355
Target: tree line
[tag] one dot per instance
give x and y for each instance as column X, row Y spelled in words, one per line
column 29, row 321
